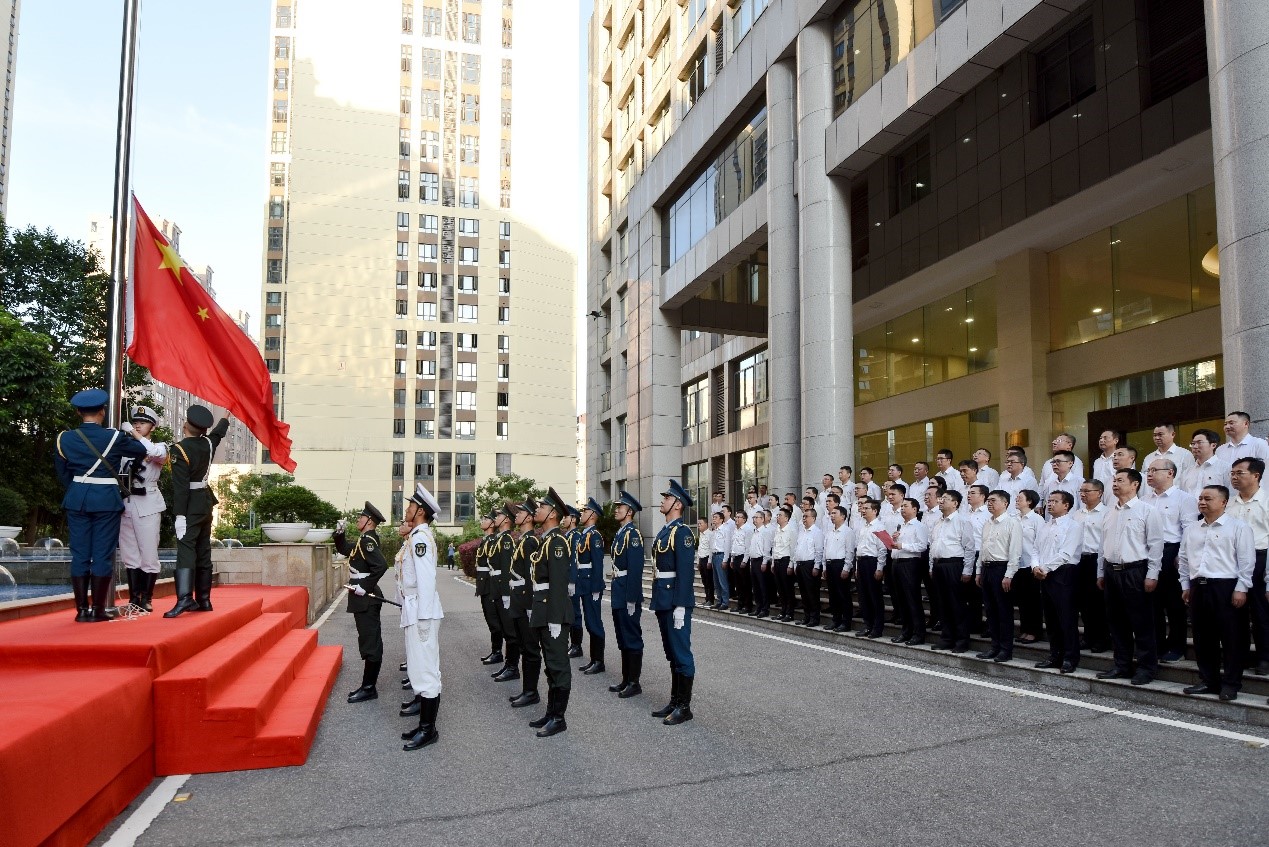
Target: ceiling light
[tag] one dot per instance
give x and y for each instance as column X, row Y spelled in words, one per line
column 916, row 341
column 969, row 320
column 964, row 140
column 1097, row 311
column 1212, row 261
column 920, row 185
column 973, row 349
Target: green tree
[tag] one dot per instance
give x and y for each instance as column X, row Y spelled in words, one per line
column 238, row 493
column 295, row 504
column 12, row 508
column 496, row 491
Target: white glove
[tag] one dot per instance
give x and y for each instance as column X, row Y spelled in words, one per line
column 595, row 596
column 356, row 574
column 180, row 527
column 680, row 615
column 356, row 589
column 572, row 589
column 630, row 608
column 555, row 629
column 506, row 602
column 341, row 525
column 127, row 427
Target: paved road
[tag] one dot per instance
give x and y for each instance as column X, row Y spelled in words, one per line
column 792, row 744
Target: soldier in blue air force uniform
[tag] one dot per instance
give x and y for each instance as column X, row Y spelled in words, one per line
column 87, row 462
column 627, row 594
column 590, row 582
column 568, row 525
column 673, row 601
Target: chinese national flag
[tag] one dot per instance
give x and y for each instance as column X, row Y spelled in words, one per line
column 177, row 331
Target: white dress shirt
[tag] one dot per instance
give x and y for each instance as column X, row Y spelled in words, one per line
column 1071, row 485
column 1215, row 471
column 874, row 490
column 1103, row 469
column 705, row 544
column 723, row 537
column 917, row 490
column 1177, row 509
column 952, row 537
column 952, row 477
column 740, row 541
column 1179, row 456
column 1046, row 469
column 1002, row 542
column 988, row 476
column 1031, row 526
column 810, row 546
column 1253, row 512
column 1058, row 544
column 1090, row 521
column 977, row 520
column 839, row 543
column 759, row 544
column 1222, row 549
column 1132, row 532
column 914, row 540
column 750, row 508
column 1011, row 485
column 1251, row 446
column 867, row 544
column 783, row 541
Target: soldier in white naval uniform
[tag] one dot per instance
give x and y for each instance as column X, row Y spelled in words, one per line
column 421, row 615
column 142, row 511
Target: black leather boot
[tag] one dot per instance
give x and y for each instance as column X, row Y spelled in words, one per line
column 596, row 656
column 574, row 643
column 79, row 585
column 184, row 578
column 538, row 723
column 618, row 687
column 636, row 668
column 529, row 694
column 367, row 691
column 146, row 585
column 402, row 668
column 131, row 574
column 202, row 589
column 665, row 710
column 555, row 725
column 409, row 709
column 683, row 712
column 103, row 590
column 426, row 733
column 493, row 658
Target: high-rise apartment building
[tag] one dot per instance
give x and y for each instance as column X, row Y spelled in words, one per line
column 828, row 233
column 418, row 275
column 10, row 11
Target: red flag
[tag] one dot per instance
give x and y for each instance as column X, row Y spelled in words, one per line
column 177, row 331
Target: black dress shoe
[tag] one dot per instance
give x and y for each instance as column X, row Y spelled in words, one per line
column 860, row 633
column 960, row 648
column 366, row 692
column 492, row 659
column 422, row 737
column 411, row 709
column 1047, row 664
column 574, row 651
column 554, row 726
column 1201, row 688
column 1002, row 658
column 526, row 698
column 899, row 639
column 1229, row 695
column 914, row 642
column 405, row 684
column 596, row 666
column 1261, row 669
column 941, row 645
column 630, row 690
column 1142, row 678
column 403, row 669
column 873, row 635
column 1067, row 667
column 1099, row 648
column 506, row 674
column 988, row 654
column 586, row 667
column 1114, row 673
column 1171, row 656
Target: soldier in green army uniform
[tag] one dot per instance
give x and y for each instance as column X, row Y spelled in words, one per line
column 488, row 602
column 192, row 502
column 366, row 566
column 522, row 602
column 501, row 550
column 552, row 613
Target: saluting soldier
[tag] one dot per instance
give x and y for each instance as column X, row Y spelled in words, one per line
column 551, row 611
column 627, row 594
column 87, row 463
column 421, row 615
column 366, row 566
column 192, row 502
column 590, row 583
column 673, row 600
column 522, row 603
column 500, row 552
column 142, row 510
column 484, row 590
column 568, row 526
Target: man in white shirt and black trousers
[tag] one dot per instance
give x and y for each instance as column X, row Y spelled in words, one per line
column 1216, row 562
column 783, row 541
column 1089, row 598
column 1177, row 509
column 1250, row 503
column 1056, row 566
column 808, row 558
column 839, row 554
column 999, row 558
column 952, row 546
column 739, row 566
column 870, row 558
column 1132, row 554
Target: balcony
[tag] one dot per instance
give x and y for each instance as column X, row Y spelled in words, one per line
column 605, row 401
column 604, row 343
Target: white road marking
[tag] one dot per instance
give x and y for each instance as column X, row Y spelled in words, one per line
column 1252, row 740
column 139, row 821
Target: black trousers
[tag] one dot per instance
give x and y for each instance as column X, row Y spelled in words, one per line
column 973, row 605
column 907, row 577
column 554, row 655
column 872, row 609
column 510, row 635
column 489, row 606
column 530, row 647
column 1061, row 614
column 1258, row 608
column 891, row 589
column 773, row 594
column 369, row 634
column 784, row 585
column 999, row 606
column 741, row 585
column 707, row 579
column 927, row 580
column 952, row 610
column 1220, row 632
column 758, row 584
column 809, row 582
column 1025, row 592
column 1130, row 613
column 1170, row 618
column 1092, row 603
column 838, row 592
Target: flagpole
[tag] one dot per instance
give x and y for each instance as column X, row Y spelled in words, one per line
column 119, row 225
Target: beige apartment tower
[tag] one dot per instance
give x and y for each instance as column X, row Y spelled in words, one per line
column 419, row 277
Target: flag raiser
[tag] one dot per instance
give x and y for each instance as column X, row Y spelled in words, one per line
column 179, row 332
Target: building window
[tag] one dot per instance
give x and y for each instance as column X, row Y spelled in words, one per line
column 425, row 368
column 504, row 344
column 504, row 193
column 407, row 54
column 469, row 192
column 281, row 48
column 506, row 112
column 398, row 427
column 471, row 28
column 467, row 313
column 430, row 104
column 860, row 227
column 277, row 174
column 752, row 468
column 466, row 371
column 468, row 226
column 424, row 398
column 1064, row 70
column 465, row 430
column 430, row 22
column 464, row 466
column 398, row 466
column 504, row 400
column 279, row 111
column 697, row 79
column 276, row 206
column 751, row 390
column 503, row 433
column 504, row 372
column 912, row 174
column 469, row 255
column 696, row 480
column 403, row 185
column 425, row 466
column 427, row 223
column 273, row 321
column 403, row 307
column 398, row 397
column 504, row 285
column 425, row 429
column 431, row 63
column 471, row 109
column 401, row 337
column 280, row 76
column 425, row 340
column 278, row 145
column 275, row 238
column 506, row 73
column 273, row 298
column 467, row 342
column 427, row 252
column 272, row 365
column 429, row 187
column 467, row 400
column 504, row 315
column 464, row 505
column 403, row 250
column 407, row 18
column 1176, row 37
column 504, row 258
column 506, row 33
column 403, row 221
column 696, row 411
column 400, row 367
column 502, row 463
column 272, row 342
column 468, row 284
column 429, row 146
column 916, row 442
column 426, row 311
column 403, row 278
column 872, row 36
column 427, row 280
column 471, row 69
column 504, row 229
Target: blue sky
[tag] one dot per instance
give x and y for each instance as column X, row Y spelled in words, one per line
column 200, row 132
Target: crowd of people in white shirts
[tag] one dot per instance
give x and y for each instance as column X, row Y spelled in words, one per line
column 1141, row 551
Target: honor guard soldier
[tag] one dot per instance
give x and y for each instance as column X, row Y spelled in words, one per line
column 500, row 552
column 673, row 601
column 421, row 615
column 551, row 611
column 484, row 590
column 590, row 583
column 568, row 526
column 192, row 502
column 142, row 511
column 87, row 463
column 627, row 594
column 522, row 604
column 366, row 566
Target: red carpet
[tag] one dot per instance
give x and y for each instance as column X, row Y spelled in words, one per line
column 96, row 711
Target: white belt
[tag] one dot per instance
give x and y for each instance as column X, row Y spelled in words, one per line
column 541, row 586
column 97, row 480
column 516, row 583
column 616, row 573
column 197, row 484
column 493, row 572
column 584, row 567
column 667, row 574
column 482, row 570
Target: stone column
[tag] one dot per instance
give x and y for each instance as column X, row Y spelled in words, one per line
column 1022, row 351
column 1237, row 65
column 826, row 319
column 784, row 335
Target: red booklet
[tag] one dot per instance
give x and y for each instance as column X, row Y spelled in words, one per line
column 885, row 539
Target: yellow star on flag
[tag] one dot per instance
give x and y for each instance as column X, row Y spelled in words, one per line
column 171, row 260
column 202, row 313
